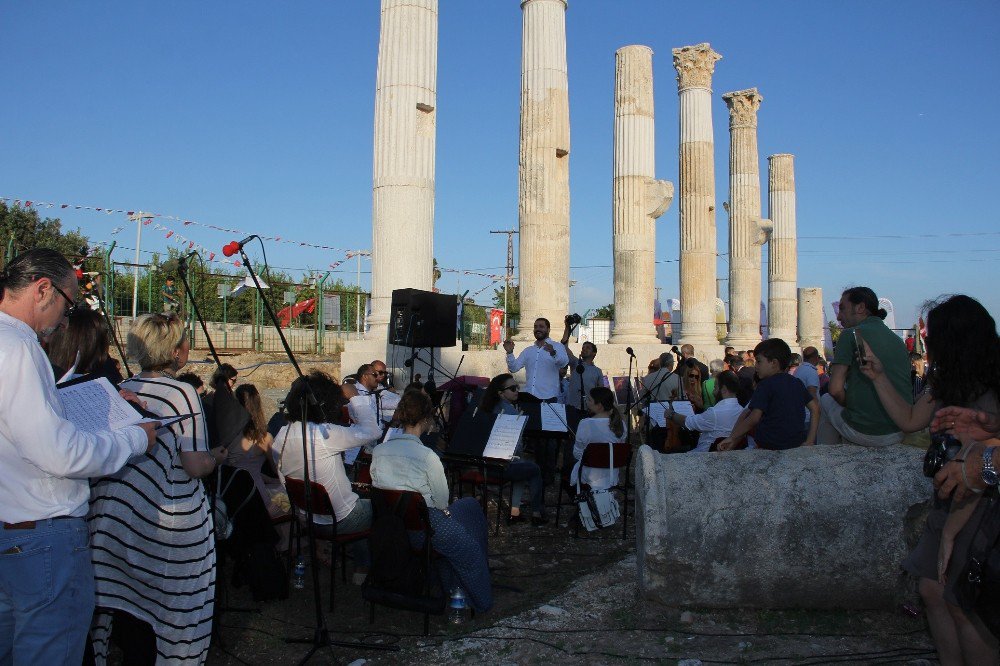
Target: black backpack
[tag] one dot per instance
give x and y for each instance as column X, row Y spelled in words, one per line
column 396, row 567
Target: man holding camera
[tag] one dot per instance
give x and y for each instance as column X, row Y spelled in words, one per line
column 584, row 375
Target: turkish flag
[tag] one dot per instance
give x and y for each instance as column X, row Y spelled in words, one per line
column 496, row 326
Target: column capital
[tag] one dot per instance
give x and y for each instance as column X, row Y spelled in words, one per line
column 695, row 65
column 743, row 106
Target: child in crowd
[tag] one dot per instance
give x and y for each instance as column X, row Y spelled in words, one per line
column 776, row 412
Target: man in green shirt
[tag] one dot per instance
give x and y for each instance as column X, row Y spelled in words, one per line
column 852, row 412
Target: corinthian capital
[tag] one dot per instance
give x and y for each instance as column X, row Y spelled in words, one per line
column 764, row 229
column 695, row 65
column 658, row 194
column 743, row 105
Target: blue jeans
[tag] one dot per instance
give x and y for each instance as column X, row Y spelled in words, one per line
column 46, row 592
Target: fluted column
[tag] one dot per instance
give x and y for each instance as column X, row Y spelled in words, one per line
column 747, row 231
column 811, row 324
column 403, row 165
column 695, row 66
column 543, row 166
column 782, row 264
column 638, row 198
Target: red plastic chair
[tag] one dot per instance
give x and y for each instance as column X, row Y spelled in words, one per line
column 321, row 506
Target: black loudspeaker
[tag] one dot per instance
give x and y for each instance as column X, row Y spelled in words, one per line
column 422, row 318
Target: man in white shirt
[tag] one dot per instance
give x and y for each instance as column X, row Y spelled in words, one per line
column 541, row 362
column 715, row 422
column 584, row 374
column 46, row 575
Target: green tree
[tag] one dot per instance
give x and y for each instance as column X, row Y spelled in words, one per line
column 834, row 331
column 22, row 229
column 604, row 312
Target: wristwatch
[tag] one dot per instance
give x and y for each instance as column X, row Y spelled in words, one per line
column 990, row 476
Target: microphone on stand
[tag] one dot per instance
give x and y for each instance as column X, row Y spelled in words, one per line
column 172, row 265
column 229, row 249
column 628, row 350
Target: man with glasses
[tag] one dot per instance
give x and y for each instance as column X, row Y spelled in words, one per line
column 46, row 575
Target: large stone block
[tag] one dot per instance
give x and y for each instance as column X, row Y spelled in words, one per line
column 815, row 527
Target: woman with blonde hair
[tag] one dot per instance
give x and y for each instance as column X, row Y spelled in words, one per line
column 152, row 540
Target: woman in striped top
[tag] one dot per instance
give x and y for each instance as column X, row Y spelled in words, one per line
column 151, row 534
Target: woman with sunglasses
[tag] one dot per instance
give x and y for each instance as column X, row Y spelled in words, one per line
column 501, row 398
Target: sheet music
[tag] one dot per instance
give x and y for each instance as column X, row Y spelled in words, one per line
column 505, row 436
column 683, row 407
column 553, row 417
column 657, row 414
column 95, row 405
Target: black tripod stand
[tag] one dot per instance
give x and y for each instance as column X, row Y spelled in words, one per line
column 321, row 634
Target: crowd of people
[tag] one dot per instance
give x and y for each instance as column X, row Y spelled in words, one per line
column 123, row 521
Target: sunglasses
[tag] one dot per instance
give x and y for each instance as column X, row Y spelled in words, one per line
column 512, row 387
column 70, row 303
column 381, row 372
column 695, row 376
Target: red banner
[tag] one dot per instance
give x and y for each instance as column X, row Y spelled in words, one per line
column 496, row 326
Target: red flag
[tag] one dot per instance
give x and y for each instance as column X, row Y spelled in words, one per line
column 190, row 244
column 169, row 234
column 237, row 263
column 496, row 326
column 28, row 204
column 211, row 256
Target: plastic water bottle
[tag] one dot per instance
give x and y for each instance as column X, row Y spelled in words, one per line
column 458, row 606
column 299, row 573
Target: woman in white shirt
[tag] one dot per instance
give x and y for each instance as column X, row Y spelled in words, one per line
column 606, row 425
column 404, row 463
column 327, row 441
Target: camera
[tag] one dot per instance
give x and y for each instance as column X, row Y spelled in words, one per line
column 573, row 319
column 942, row 449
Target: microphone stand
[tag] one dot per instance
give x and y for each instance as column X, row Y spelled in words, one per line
column 182, row 272
column 102, row 307
column 628, row 400
column 321, row 635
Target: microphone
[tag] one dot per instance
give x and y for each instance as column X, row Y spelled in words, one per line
column 628, row 350
column 675, row 350
column 229, row 249
column 172, row 265
column 409, row 362
column 580, row 369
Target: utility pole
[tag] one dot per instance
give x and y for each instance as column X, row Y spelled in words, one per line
column 510, row 272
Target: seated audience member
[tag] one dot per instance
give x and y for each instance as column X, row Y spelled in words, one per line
column 717, row 421
column 964, row 376
column 83, row 345
column 254, row 448
column 746, row 376
column 852, row 412
column 708, row 386
column 604, row 425
column 653, row 366
column 404, row 463
column 151, row 533
column 918, row 370
column 501, row 397
column 663, row 384
column 327, row 441
column 776, row 411
column 794, row 363
column 808, row 375
column 194, row 380
column 691, row 380
column 687, row 354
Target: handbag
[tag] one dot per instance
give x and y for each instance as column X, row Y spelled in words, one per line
column 598, row 508
column 222, row 517
column 977, row 589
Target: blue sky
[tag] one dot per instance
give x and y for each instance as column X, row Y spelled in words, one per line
column 258, row 116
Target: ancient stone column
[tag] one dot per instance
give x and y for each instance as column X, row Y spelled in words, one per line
column 543, row 166
column 747, row 231
column 638, row 198
column 695, row 65
column 782, row 263
column 811, row 324
column 403, row 193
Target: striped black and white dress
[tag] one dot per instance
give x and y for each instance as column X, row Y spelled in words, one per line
column 151, row 535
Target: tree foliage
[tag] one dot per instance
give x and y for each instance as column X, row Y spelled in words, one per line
column 23, row 229
column 604, row 312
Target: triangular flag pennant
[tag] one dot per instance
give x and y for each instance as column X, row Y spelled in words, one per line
column 169, row 234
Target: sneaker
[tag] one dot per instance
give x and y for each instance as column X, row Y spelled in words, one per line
column 519, row 518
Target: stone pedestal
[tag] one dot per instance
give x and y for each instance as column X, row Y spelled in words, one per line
column 747, row 231
column 811, row 322
column 403, row 165
column 638, row 198
column 814, row 527
column 695, row 66
column 782, row 264
column 543, row 173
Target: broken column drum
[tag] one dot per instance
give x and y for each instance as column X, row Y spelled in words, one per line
column 811, row 324
column 782, row 263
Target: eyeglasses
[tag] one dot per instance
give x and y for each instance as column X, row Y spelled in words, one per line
column 512, row 387
column 70, row 303
column 694, row 376
column 381, row 372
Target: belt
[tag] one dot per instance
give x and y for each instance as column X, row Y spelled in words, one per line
column 30, row 524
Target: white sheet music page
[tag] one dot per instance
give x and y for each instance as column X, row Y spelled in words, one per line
column 504, row 437
column 683, row 407
column 657, row 414
column 95, row 405
column 553, row 417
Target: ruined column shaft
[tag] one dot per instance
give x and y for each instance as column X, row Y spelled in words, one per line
column 638, row 199
column 403, row 165
column 695, row 65
column 543, row 167
column 811, row 333
column 782, row 265
column 745, row 229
